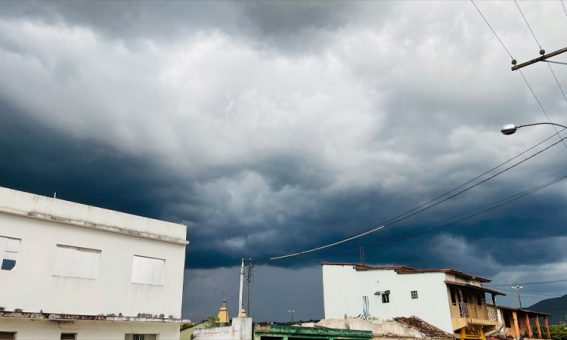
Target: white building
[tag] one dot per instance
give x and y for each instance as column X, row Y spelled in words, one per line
column 72, row 271
column 448, row 299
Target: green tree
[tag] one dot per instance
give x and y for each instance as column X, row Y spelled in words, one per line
column 558, row 332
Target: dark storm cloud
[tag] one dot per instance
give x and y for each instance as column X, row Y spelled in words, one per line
column 273, row 127
column 37, row 159
column 284, row 26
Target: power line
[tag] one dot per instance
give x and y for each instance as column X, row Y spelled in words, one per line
column 329, row 245
column 557, row 81
column 465, row 216
column 415, row 212
column 527, row 283
column 493, row 31
column 438, row 225
column 564, row 9
column 542, row 52
column 529, row 27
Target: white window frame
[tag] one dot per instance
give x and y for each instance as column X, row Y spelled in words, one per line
column 63, row 268
column 9, row 250
column 156, row 277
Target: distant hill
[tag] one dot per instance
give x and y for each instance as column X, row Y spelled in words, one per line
column 557, row 307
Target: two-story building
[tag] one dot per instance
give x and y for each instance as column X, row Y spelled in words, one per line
column 451, row 300
column 72, row 271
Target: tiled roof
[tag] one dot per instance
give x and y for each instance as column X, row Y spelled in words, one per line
column 423, row 327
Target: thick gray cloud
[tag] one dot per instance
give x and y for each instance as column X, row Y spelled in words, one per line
column 272, row 127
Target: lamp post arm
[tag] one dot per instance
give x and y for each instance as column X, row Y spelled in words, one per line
column 543, row 123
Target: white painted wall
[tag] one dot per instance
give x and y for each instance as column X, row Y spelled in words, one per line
column 344, row 287
column 240, row 329
column 36, row 282
column 87, row 330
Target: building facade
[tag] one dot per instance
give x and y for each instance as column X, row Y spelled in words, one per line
column 520, row 323
column 451, row 300
column 72, row 271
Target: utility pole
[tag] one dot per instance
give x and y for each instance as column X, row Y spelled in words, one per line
column 249, row 268
column 361, row 250
column 517, row 288
column 543, row 57
column 291, row 311
column 241, row 311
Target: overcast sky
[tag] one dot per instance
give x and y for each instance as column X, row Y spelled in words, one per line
column 272, row 127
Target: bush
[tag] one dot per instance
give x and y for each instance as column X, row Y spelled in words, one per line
column 558, row 332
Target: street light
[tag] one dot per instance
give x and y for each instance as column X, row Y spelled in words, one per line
column 510, row 129
column 291, row 311
column 517, row 288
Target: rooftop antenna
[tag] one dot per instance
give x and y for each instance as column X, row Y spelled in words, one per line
column 361, row 251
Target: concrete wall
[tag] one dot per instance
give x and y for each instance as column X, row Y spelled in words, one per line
column 87, row 330
column 241, row 329
column 344, row 288
column 33, row 287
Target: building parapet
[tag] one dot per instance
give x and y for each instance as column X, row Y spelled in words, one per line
column 82, row 317
column 39, row 207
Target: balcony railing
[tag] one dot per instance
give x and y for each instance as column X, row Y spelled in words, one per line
column 474, row 311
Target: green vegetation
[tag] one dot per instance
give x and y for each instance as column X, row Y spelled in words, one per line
column 558, row 332
column 211, row 321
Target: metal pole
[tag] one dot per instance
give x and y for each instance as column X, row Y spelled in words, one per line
column 240, row 306
column 542, row 123
column 517, row 288
column 291, row 311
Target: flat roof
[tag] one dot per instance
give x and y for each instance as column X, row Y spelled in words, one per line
column 401, row 269
column 55, row 210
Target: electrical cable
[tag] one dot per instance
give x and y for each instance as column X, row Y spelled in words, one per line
column 564, row 9
column 549, row 66
column 528, row 24
column 557, row 81
column 380, row 227
column 466, row 215
column 554, row 62
column 439, row 225
column 526, row 283
column 493, row 31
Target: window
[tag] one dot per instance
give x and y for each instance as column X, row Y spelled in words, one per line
column 479, row 299
column 7, row 335
column 147, row 270
column 453, row 296
column 76, row 262
column 386, row 297
column 9, row 248
column 414, row 294
column 68, row 336
column 141, row 337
